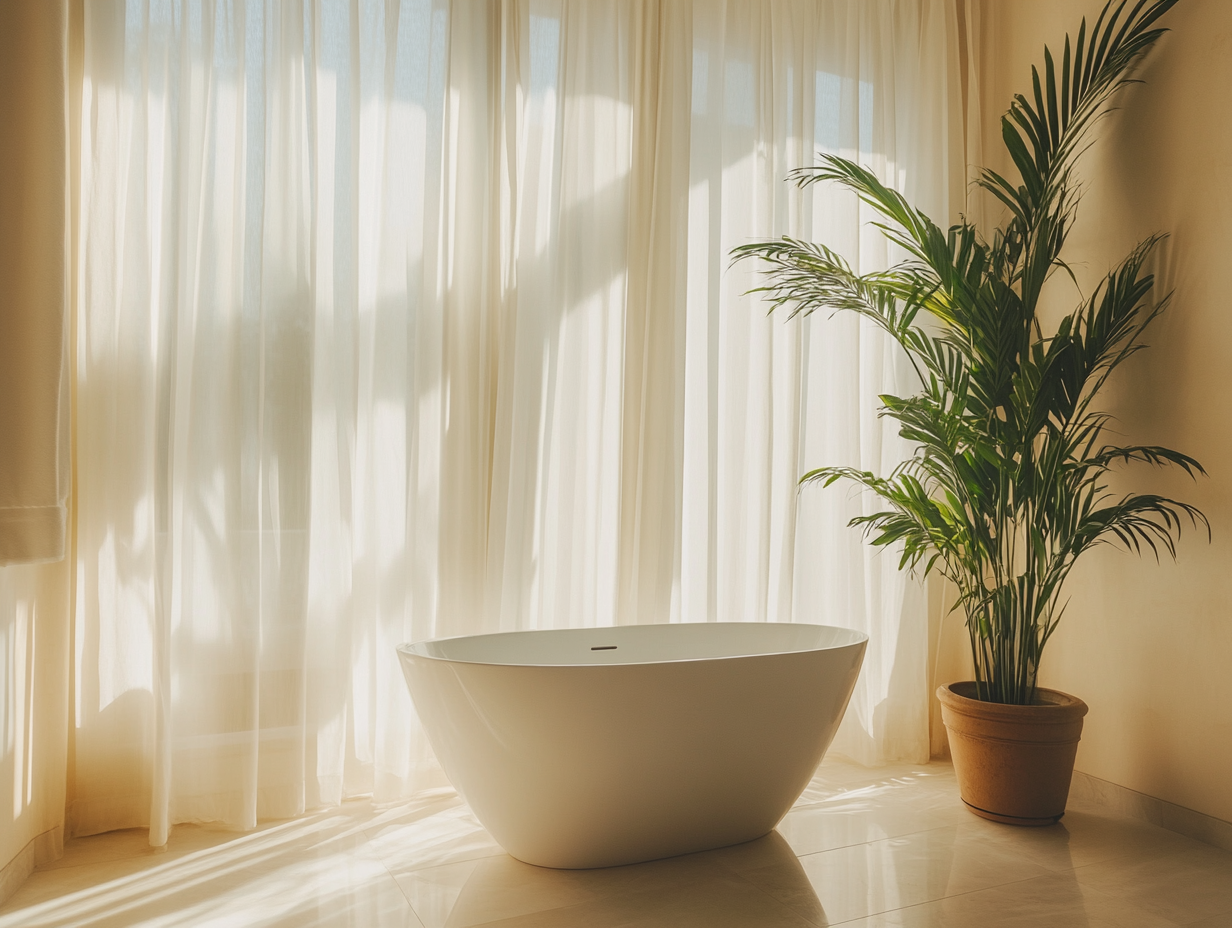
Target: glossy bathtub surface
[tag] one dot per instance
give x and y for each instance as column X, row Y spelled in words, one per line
column 597, row 747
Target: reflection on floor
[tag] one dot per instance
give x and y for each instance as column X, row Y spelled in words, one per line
column 886, row 847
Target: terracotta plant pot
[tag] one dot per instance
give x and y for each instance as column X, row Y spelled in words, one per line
column 1013, row 763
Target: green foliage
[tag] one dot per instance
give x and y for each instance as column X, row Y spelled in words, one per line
column 1007, row 486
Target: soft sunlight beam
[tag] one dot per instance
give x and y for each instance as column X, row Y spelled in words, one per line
column 445, row 256
column 156, row 157
column 697, row 516
column 607, row 145
column 273, row 866
column 541, row 127
column 79, row 645
column 30, row 681
column 387, row 504
column 21, row 629
column 8, row 726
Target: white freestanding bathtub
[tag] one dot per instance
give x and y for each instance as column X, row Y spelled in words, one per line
column 595, row 747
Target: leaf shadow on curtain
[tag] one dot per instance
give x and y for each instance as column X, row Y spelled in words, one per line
column 403, row 320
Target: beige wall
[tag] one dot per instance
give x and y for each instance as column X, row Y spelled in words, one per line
column 1149, row 646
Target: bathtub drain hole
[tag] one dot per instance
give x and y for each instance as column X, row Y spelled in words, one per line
column 604, row 647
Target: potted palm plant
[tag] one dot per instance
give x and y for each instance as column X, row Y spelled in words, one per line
column 1007, row 485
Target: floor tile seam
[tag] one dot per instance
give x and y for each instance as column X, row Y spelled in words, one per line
column 851, row 807
column 1139, row 854
column 398, row 883
column 1129, row 856
column 843, row 847
column 441, row 863
column 941, row 898
column 599, row 900
column 1155, row 912
column 921, row 905
column 1148, row 903
column 958, row 895
column 1206, row 918
column 1117, row 857
column 860, row 796
column 401, row 892
column 765, row 894
column 506, row 918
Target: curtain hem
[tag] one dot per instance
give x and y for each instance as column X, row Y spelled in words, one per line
column 39, row 850
column 32, row 534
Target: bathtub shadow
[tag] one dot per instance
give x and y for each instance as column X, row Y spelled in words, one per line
column 760, row 882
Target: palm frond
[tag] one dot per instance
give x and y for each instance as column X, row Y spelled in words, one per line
column 1007, row 485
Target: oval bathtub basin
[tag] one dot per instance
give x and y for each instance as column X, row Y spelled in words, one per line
column 595, row 747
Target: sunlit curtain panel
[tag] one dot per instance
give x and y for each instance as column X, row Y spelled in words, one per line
column 406, row 319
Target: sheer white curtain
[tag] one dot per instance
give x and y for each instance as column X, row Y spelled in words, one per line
column 415, row 318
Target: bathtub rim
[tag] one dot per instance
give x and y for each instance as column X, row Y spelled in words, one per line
column 414, row 648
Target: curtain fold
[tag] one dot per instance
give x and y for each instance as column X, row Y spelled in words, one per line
column 404, row 319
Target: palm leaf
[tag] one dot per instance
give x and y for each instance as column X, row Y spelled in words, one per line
column 1007, row 484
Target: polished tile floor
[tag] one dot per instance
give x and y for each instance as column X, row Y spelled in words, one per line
column 868, row 848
